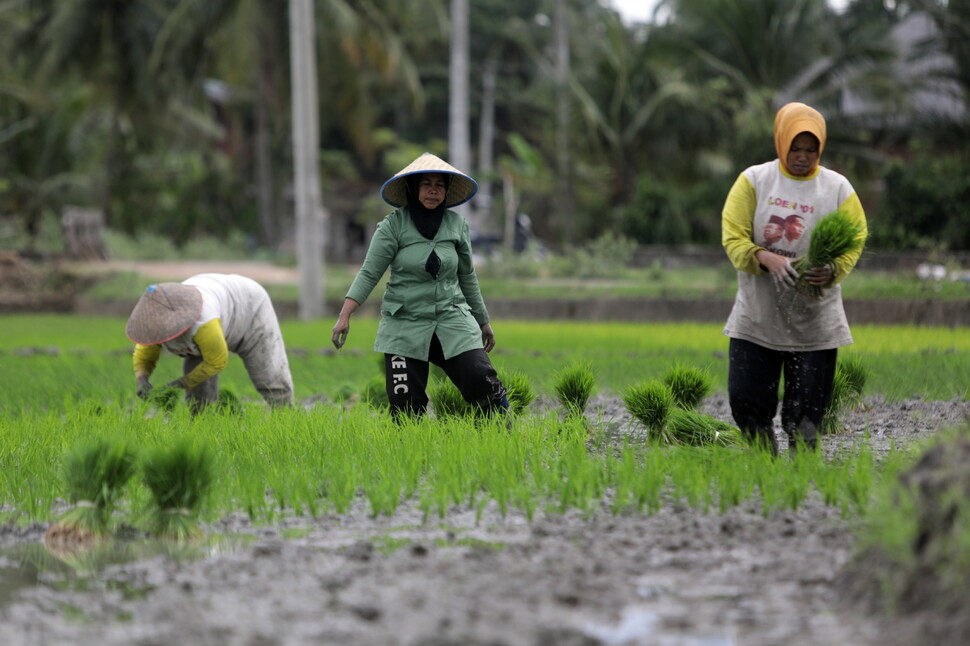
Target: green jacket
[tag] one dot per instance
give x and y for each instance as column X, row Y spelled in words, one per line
column 415, row 305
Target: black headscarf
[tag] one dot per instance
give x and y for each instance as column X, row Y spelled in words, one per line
column 427, row 221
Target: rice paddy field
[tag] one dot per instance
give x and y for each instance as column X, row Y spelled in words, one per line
column 329, row 524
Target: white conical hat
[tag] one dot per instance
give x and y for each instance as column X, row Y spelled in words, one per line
column 461, row 187
column 163, row 312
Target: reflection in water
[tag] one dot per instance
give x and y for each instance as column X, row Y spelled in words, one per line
column 31, row 564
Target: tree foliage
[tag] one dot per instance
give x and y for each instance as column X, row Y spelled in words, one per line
column 173, row 115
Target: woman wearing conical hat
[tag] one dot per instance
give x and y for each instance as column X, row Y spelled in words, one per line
column 432, row 310
column 203, row 319
column 773, row 330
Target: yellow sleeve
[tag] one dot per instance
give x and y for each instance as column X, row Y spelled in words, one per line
column 845, row 263
column 736, row 223
column 145, row 358
column 215, row 353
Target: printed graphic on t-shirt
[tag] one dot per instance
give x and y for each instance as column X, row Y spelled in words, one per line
column 782, row 232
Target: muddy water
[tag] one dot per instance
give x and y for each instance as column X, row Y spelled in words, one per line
column 680, row 577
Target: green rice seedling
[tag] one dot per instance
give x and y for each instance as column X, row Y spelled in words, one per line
column 574, row 386
column 345, row 393
column 95, row 473
column 689, row 385
column 374, row 393
column 447, row 400
column 856, row 374
column 698, row 429
column 847, row 386
column 650, row 403
column 179, row 478
column 165, row 397
column 834, row 235
column 228, row 403
column 519, row 390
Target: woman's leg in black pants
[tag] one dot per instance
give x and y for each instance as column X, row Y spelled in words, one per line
column 474, row 376
column 406, row 382
column 808, row 390
column 753, row 376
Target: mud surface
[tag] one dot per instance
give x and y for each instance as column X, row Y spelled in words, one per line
column 677, row 578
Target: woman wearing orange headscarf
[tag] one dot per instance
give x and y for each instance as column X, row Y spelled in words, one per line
column 773, row 328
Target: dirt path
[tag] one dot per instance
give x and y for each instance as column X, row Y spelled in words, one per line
column 263, row 272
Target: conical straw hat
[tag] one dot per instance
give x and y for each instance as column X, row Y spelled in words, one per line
column 163, row 312
column 461, row 188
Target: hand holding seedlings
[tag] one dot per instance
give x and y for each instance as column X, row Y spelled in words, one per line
column 819, row 276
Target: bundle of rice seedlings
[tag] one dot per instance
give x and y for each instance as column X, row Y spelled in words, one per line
column 374, row 393
column 835, row 235
column 689, row 385
column 447, row 400
column 519, row 390
column 650, row 403
column 95, row 473
column 850, row 380
column 856, row 375
column 698, row 429
column 165, row 397
column 179, row 478
column 574, row 386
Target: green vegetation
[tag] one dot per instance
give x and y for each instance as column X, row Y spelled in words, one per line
column 179, row 478
column 56, row 362
column 338, row 451
column 689, row 385
column 95, row 472
column 535, row 280
column 326, row 460
column 574, row 385
column 834, row 236
column 847, row 392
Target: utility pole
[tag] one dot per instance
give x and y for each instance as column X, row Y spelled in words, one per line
column 306, row 163
column 459, row 139
column 563, row 202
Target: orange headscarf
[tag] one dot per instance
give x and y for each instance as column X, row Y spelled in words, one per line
column 793, row 119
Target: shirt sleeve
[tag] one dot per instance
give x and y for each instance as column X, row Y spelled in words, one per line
column 380, row 253
column 211, row 342
column 145, row 358
column 844, row 264
column 468, row 279
column 736, row 223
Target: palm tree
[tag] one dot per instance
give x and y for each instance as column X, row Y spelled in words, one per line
column 108, row 44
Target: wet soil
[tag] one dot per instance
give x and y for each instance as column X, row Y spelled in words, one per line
column 680, row 577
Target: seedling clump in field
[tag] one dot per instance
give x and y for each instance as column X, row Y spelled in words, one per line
column 519, row 390
column 179, row 478
column 850, row 381
column 689, row 385
column 650, row 402
column 95, row 474
column 697, row 429
column 447, row 400
column 574, row 386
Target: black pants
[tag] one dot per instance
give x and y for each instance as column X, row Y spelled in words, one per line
column 753, row 376
column 472, row 372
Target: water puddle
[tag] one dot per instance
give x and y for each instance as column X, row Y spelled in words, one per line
column 639, row 626
column 26, row 565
